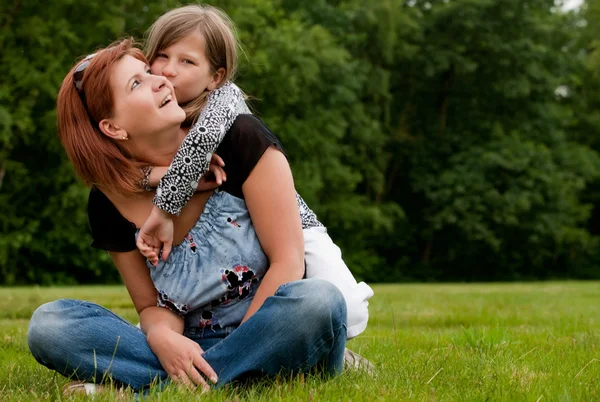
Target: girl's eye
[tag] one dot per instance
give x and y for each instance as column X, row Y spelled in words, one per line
column 161, row 55
column 149, row 71
column 135, row 84
column 187, row 61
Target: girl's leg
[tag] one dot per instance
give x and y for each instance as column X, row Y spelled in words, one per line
column 83, row 340
column 301, row 327
column 324, row 260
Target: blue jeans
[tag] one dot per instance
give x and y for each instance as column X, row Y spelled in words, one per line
column 301, row 327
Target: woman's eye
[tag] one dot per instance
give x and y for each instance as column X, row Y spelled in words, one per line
column 135, row 84
column 187, row 61
column 161, row 55
column 148, row 71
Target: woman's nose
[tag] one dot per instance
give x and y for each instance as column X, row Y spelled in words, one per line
column 159, row 82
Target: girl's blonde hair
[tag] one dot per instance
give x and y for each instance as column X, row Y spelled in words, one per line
column 218, row 32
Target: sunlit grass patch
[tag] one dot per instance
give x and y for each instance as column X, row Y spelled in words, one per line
column 526, row 342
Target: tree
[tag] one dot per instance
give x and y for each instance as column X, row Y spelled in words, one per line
column 437, row 140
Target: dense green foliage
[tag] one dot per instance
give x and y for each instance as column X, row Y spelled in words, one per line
column 438, row 140
column 428, row 342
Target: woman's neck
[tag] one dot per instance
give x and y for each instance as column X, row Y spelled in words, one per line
column 160, row 150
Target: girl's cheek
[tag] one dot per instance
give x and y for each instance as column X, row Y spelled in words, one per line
column 156, row 68
column 179, row 96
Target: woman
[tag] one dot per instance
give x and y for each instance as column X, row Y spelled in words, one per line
column 229, row 297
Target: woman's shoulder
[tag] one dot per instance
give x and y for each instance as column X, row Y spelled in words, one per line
column 242, row 148
column 247, row 122
column 250, row 132
column 110, row 230
column 99, row 203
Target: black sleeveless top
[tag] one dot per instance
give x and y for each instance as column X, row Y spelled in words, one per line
column 241, row 149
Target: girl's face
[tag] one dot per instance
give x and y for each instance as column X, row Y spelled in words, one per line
column 143, row 103
column 185, row 65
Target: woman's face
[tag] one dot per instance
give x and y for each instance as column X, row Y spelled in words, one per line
column 143, row 103
column 185, row 65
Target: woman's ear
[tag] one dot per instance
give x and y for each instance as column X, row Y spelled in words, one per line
column 112, row 131
column 217, row 79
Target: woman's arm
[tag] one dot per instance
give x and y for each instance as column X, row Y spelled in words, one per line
column 179, row 356
column 224, row 104
column 271, row 199
column 136, row 277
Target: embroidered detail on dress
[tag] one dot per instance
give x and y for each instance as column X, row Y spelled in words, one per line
column 192, row 243
column 166, row 302
column 239, row 281
column 234, row 223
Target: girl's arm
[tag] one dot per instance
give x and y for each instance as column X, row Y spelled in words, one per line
column 193, row 157
column 271, row 200
column 207, row 182
column 190, row 163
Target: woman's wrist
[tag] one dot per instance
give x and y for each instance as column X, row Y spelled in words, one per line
column 156, row 332
column 155, row 318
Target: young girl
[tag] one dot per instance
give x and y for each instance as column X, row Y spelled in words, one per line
column 196, row 49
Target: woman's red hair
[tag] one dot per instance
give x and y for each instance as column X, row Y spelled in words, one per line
column 97, row 159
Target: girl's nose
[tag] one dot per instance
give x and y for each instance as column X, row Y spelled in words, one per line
column 169, row 70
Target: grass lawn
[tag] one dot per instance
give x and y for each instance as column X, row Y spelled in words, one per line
column 474, row 342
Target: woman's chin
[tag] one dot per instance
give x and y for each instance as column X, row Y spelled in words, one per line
column 174, row 113
column 180, row 114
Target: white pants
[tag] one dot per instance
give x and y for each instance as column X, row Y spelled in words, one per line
column 324, row 260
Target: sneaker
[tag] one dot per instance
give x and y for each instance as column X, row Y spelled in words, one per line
column 355, row 361
column 81, row 388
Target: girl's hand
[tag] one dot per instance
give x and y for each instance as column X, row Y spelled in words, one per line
column 215, row 175
column 181, row 358
column 156, row 233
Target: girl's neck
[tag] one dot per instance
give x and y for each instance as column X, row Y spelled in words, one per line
column 159, row 150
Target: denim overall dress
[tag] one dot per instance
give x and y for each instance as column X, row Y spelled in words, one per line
column 211, row 277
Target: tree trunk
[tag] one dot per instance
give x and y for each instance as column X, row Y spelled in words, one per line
column 444, row 98
column 2, row 172
column 427, row 252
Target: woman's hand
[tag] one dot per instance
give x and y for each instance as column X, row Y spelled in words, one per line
column 156, row 233
column 181, row 358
